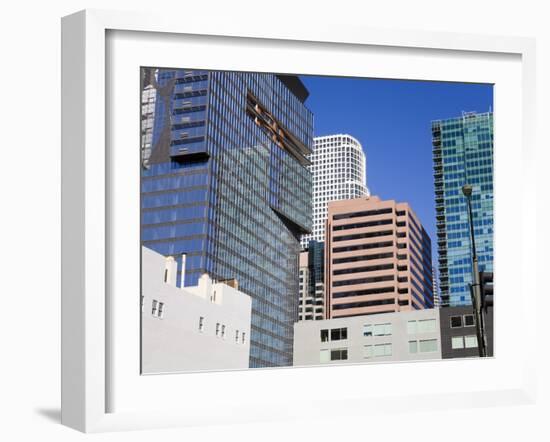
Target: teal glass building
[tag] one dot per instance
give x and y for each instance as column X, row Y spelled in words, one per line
column 226, row 184
column 463, row 154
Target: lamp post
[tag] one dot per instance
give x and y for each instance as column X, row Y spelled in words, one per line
column 476, row 291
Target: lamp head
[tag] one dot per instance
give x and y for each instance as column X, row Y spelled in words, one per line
column 467, row 190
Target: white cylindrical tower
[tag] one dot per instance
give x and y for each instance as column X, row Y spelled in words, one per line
column 339, row 172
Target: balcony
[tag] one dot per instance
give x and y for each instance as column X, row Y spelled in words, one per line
column 188, row 120
column 193, row 150
column 190, row 91
column 191, row 86
column 192, row 76
column 184, row 135
column 189, row 104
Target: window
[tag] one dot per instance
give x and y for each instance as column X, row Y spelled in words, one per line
column 236, row 336
column 324, row 335
column 243, row 337
column 382, row 350
column 413, row 347
column 161, row 310
column 427, row 345
column 426, row 326
column 218, row 329
column 201, row 324
column 339, row 354
column 324, row 356
column 223, row 331
column 469, row 321
column 457, row 342
column 382, row 329
column 367, row 330
column 456, row 321
column 155, row 306
column 412, row 327
column 368, row 351
column 338, row 334
column 470, row 341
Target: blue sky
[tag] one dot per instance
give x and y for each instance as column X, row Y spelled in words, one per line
column 392, row 120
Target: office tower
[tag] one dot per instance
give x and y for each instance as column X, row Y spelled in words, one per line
column 204, row 327
column 377, row 258
column 227, row 186
column 338, row 168
column 312, row 273
column 463, row 154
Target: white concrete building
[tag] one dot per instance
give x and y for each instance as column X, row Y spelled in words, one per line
column 206, row 327
column 400, row 336
column 339, row 171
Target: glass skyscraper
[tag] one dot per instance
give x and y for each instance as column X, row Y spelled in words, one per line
column 463, row 154
column 226, row 184
column 312, row 282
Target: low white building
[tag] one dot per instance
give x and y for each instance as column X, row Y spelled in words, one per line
column 205, row 327
column 399, row 336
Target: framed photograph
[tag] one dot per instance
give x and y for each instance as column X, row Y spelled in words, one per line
column 250, row 210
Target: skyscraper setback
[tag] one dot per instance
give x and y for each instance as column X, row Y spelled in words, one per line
column 377, row 258
column 226, row 184
column 463, row 154
column 339, row 172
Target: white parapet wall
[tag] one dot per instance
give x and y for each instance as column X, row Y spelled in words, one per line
column 205, row 327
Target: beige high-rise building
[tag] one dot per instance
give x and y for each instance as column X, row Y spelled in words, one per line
column 377, row 258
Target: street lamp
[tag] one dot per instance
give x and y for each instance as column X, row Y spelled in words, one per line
column 476, row 292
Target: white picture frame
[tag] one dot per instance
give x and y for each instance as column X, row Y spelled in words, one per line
column 93, row 361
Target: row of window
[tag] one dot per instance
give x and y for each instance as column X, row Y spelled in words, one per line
column 460, row 342
column 157, row 310
column 382, row 329
column 462, row 321
column 240, row 337
column 336, row 334
column 378, row 350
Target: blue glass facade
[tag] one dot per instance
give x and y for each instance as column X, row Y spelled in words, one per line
column 222, row 187
column 316, row 264
column 463, row 154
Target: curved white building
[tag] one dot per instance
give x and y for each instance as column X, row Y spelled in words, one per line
column 339, row 170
